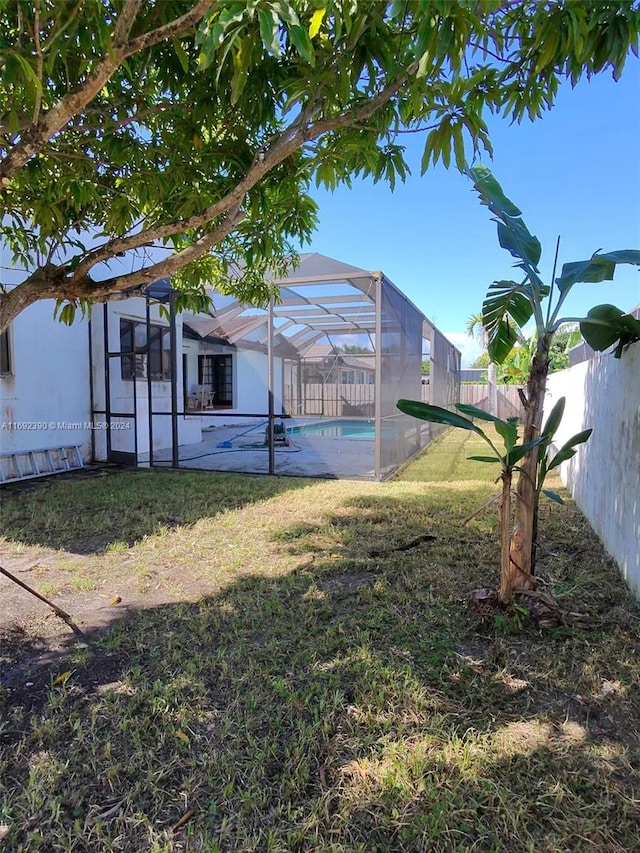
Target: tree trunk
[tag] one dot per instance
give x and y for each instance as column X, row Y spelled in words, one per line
column 505, row 593
column 47, row 282
column 526, row 508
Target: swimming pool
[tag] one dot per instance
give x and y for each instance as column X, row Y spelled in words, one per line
column 362, row 430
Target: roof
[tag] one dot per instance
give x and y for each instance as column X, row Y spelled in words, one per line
column 320, row 301
column 358, row 362
column 238, row 329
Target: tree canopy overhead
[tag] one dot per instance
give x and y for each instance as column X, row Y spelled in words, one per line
column 198, row 127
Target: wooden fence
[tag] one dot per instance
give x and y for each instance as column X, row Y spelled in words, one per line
column 339, row 401
column 509, row 403
column 331, row 400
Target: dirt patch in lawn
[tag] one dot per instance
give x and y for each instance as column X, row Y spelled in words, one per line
column 34, row 640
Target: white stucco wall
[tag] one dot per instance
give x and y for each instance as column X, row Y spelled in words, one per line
column 49, row 384
column 249, row 386
column 604, row 475
column 251, row 382
column 122, row 391
column 52, row 369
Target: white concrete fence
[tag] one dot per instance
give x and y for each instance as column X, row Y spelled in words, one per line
column 604, row 476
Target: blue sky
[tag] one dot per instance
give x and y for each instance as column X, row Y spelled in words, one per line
column 573, row 173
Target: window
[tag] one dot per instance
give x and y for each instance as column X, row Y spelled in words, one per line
column 5, row 354
column 347, row 377
column 215, row 372
column 154, row 353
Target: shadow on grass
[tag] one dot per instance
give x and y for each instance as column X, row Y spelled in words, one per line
column 346, row 706
column 85, row 516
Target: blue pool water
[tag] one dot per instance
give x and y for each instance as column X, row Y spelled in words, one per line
column 336, row 429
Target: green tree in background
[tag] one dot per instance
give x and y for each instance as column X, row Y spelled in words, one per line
column 514, row 370
column 481, row 362
column 475, row 329
column 181, row 137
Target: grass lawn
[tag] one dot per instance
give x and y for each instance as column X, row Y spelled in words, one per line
column 288, row 680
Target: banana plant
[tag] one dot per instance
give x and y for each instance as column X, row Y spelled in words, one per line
column 568, row 449
column 509, row 305
column 514, row 452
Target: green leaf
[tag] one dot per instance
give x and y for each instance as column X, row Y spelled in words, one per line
column 241, row 66
column 507, row 307
column 437, row 415
column 621, row 256
column 13, row 123
column 553, row 421
column 508, row 431
column 181, row 53
column 600, row 267
column 485, row 458
column 509, row 434
column 269, row 30
column 553, row 496
column 30, row 76
column 475, row 412
column 66, row 314
column 513, row 234
column 302, row 43
column 490, row 191
column 567, row 450
column 503, row 341
column 458, row 147
column 606, row 325
column 503, row 298
column 517, row 453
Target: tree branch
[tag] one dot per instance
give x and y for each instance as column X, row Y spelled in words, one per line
column 40, row 61
column 141, row 278
column 175, row 28
column 286, row 143
column 45, row 283
column 125, row 21
column 54, row 282
column 58, row 116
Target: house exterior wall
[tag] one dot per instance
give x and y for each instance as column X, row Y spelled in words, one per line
column 604, row 475
column 250, row 383
column 192, row 349
column 122, row 390
column 45, row 402
column 249, row 371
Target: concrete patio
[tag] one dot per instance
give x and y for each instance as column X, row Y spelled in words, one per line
column 241, row 448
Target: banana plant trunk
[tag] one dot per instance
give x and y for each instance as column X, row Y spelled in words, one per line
column 521, row 549
column 505, row 593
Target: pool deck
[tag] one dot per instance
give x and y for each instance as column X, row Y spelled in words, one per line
column 240, row 448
